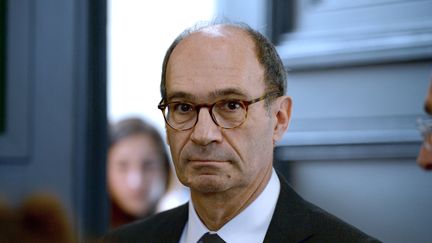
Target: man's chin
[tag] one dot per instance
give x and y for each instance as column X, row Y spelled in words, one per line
column 208, row 184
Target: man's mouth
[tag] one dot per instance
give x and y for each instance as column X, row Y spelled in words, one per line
column 207, row 160
column 207, row 163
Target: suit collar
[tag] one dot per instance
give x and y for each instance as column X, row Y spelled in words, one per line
column 289, row 222
column 250, row 225
column 178, row 223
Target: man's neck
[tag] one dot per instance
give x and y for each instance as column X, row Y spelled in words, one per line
column 216, row 209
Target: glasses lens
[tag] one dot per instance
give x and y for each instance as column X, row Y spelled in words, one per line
column 180, row 116
column 229, row 113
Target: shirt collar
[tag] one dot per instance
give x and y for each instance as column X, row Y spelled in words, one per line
column 249, row 226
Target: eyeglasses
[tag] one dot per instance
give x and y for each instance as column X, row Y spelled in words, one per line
column 228, row 113
column 425, row 127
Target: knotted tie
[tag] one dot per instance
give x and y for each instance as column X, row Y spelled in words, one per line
column 210, row 238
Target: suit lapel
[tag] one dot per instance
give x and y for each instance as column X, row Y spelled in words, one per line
column 289, row 222
column 177, row 224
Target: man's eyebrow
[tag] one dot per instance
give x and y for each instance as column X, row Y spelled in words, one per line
column 227, row 92
column 181, row 95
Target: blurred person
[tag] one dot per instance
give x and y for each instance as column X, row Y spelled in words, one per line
column 424, row 158
column 223, row 99
column 8, row 223
column 40, row 218
column 138, row 170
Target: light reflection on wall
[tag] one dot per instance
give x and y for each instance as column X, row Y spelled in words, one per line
column 139, row 32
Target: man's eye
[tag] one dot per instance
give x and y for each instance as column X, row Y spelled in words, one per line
column 183, row 107
column 231, row 105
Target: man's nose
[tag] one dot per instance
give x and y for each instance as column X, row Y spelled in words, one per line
column 206, row 131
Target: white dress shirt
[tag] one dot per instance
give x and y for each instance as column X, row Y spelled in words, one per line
column 249, row 226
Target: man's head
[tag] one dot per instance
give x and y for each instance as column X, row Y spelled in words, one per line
column 275, row 76
column 424, row 158
column 224, row 63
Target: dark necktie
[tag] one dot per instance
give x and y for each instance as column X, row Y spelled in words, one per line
column 210, row 238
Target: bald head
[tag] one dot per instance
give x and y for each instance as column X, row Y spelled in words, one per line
column 217, row 51
column 214, row 41
column 241, row 38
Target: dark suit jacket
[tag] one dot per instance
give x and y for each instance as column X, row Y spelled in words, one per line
column 294, row 220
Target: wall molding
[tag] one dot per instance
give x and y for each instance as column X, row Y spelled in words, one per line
column 357, row 46
column 350, row 138
column 347, row 151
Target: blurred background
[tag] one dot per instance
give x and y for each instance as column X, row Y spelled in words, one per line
column 358, row 75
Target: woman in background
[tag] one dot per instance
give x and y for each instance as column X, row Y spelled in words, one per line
column 138, row 170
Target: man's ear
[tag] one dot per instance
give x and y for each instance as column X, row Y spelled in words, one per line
column 283, row 115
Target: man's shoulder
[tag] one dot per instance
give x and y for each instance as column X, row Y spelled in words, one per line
column 309, row 223
column 162, row 227
column 326, row 226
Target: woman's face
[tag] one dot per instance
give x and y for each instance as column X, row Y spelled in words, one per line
column 136, row 177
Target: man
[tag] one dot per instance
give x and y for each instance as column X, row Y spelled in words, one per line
column 223, row 100
column 424, row 158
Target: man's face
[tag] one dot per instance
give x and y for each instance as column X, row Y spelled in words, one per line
column 424, row 158
column 206, row 67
